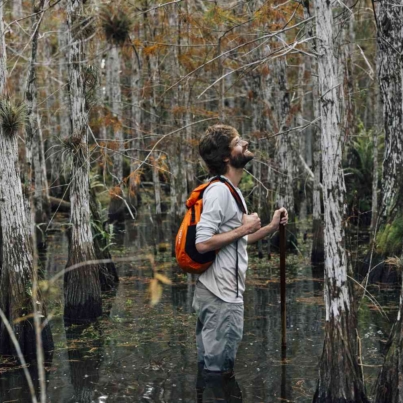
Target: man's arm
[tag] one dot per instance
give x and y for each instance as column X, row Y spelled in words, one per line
column 250, row 224
column 270, row 228
column 263, row 232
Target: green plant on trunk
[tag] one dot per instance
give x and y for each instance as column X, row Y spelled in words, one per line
column 12, row 116
column 116, row 23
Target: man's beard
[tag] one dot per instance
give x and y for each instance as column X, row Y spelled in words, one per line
column 241, row 160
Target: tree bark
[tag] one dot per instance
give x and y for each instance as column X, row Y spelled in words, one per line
column 189, row 176
column 347, row 61
column 52, row 150
column 389, row 387
column 390, row 42
column 136, row 84
column 35, row 158
column 317, row 254
column 286, row 150
column 116, row 106
column 55, row 153
column 177, row 164
column 82, row 290
column 154, row 80
column 17, row 9
column 16, row 270
column 339, row 373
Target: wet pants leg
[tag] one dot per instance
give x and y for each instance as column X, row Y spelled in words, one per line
column 219, row 330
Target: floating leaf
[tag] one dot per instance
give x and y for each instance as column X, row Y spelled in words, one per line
column 155, row 291
column 163, row 279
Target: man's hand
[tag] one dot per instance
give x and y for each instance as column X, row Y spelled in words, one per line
column 275, row 222
column 251, row 223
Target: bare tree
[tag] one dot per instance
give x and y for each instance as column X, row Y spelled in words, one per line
column 82, row 290
column 34, row 140
column 339, row 374
column 16, row 269
column 317, row 254
column 390, row 45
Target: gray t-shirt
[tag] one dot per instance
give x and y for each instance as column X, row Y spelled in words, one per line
column 222, row 214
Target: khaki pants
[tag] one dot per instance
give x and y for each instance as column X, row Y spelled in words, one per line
column 219, row 330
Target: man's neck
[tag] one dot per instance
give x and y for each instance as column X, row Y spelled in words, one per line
column 234, row 175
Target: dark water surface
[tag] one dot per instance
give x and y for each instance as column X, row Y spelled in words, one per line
column 139, row 353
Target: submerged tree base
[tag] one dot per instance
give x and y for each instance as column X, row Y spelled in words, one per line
column 25, row 334
column 389, row 386
column 81, row 314
column 339, row 374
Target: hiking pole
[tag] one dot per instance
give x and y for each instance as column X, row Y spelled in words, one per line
column 282, row 284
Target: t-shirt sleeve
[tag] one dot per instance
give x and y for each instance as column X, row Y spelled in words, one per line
column 215, row 201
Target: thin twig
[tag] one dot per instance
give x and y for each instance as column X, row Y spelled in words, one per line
column 20, row 356
column 233, row 49
column 371, row 298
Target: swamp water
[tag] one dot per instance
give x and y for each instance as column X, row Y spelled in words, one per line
column 140, row 353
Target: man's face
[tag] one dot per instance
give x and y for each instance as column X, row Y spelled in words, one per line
column 240, row 155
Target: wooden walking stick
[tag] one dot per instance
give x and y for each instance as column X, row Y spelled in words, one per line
column 282, row 284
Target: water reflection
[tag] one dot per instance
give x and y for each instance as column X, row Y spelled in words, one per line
column 84, row 361
column 217, row 387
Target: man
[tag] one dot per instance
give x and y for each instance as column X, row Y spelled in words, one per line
column 218, row 298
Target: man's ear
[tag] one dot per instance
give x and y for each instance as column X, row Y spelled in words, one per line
column 226, row 159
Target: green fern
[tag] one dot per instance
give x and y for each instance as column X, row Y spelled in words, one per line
column 390, row 238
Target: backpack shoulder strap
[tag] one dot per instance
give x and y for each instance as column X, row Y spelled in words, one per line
column 197, row 194
column 234, row 193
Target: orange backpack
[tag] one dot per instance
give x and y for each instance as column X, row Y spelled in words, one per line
column 187, row 256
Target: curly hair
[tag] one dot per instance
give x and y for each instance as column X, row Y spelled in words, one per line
column 214, row 147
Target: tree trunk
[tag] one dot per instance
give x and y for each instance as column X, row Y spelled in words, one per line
column 389, row 386
column 117, row 206
column 153, row 68
column 347, row 61
column 136, row 85
column 116, row 106
column 317, row 254
column 17, row 9
column 377, row 130
column 51, row 152
column 190, row 176
column 302, row 144
column 54, row 149
column 157, row 185
column 177, row 159
column 35, row 147
column 82, row 290
column 286, row 150
column 16, row 270
column 339, row 373
column 390, row 42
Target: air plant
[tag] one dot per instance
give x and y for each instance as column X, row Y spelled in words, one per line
column 116, row 23
column 74, row 150
column 12, row 116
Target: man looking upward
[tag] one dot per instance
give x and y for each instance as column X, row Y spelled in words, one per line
column 218, row 299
